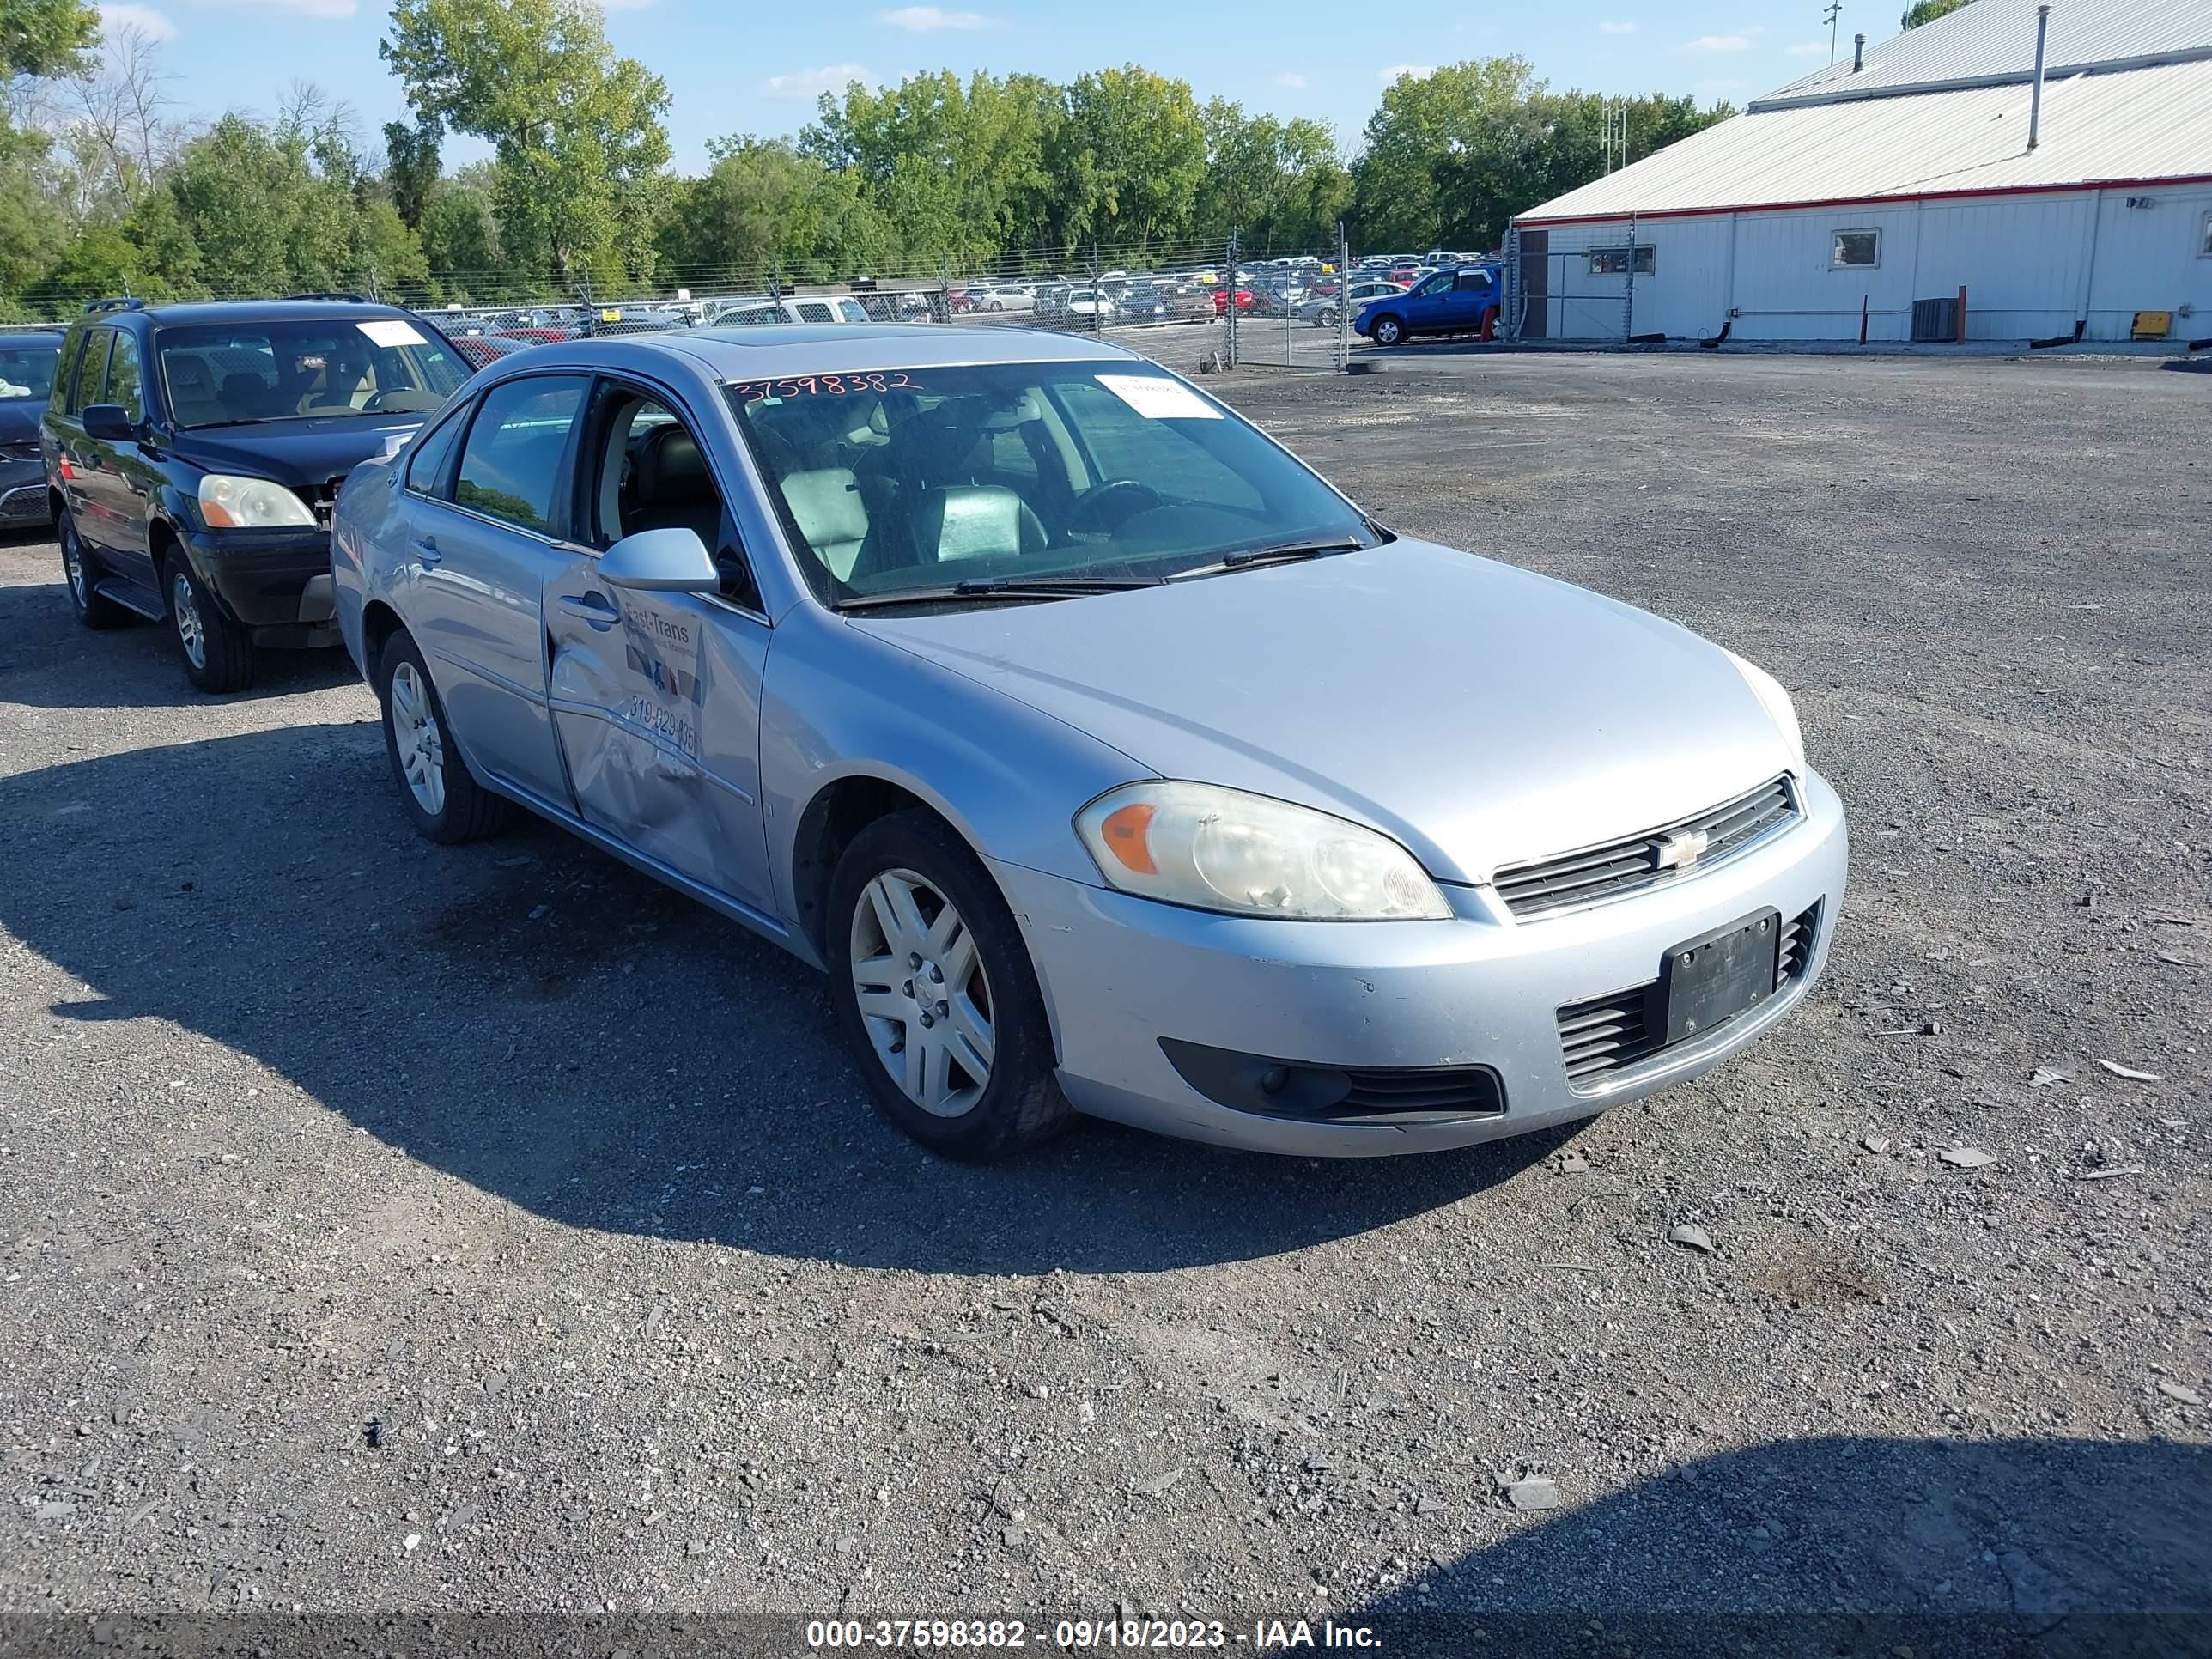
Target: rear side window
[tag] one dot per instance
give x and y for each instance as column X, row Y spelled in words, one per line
column 511, row 460
column 125, row 383
column 426, row 467
column 91, row 373
column 814, row 311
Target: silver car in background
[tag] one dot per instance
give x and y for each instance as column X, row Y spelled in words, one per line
column 1105, row 756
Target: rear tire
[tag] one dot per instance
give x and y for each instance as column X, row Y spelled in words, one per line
column 94, row 608
column 930, row 975
column 441, row 796
column 218, row 653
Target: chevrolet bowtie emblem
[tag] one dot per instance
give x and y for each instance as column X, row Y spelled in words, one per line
column 1683, row 848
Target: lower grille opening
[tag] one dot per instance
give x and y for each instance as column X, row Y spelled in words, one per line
column 1605, row 1034
column 1309, row 1093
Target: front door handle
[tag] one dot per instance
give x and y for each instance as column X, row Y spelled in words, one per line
column 426, row 551
column 594, row 608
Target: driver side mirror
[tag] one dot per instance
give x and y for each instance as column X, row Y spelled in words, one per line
column 673, row 561
column 109, row 424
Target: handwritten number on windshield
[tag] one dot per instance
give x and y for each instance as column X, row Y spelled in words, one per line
column 821, row 386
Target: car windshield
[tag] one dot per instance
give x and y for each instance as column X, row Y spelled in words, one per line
column 27, row 367
column 225, row 375
column 912, row 480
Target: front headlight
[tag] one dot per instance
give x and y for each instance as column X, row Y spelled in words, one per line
column 230, row 503
column 1222, row 850
column 1776, row 702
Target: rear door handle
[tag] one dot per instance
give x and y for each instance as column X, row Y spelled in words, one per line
column 594, row 608
column 426, row 549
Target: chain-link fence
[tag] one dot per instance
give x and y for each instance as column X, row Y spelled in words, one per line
column 1190, row 304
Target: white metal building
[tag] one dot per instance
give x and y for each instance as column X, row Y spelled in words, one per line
column 1864, row 187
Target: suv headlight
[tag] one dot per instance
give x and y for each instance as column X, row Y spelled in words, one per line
column 1213, row 848
column 230, row 503
column 1776, row 702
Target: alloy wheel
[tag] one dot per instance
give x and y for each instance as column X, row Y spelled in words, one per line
column 191, row 631
column 415, row 734
column 73, row 567
column 923, row 996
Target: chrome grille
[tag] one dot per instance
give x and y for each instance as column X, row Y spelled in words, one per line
column 1640, row 861
column 1604, row 1034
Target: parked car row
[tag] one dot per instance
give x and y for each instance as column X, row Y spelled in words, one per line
column 1082, row 883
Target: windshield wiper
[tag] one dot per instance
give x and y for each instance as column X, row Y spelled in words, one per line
column 244, row 420
column 1001, row 587
column 1274, row 553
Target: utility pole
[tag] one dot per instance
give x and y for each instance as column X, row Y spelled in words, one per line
column 1835, row 11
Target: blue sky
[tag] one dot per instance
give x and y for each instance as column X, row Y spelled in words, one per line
column 750, row 66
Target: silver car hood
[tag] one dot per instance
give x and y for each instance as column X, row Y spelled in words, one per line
column 1478, row 713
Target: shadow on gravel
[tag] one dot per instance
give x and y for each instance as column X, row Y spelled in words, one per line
column 1850, row 1546
column 535, row 1018
column 133, row 666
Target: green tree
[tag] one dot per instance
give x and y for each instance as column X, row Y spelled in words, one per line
column 460, row 237
column 47, row 37
column 1128, row 161
column 411, row 164
column 577, row 130
column 763, row 209
column 1280, row 184
column 1927, row 11
column 957, row 168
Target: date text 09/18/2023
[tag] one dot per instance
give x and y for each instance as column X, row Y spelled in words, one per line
column 1087, row 1635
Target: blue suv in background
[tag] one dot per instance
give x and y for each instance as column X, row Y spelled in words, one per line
column 1462, row 301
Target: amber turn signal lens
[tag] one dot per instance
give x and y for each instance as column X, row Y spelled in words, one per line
column 1124, row 832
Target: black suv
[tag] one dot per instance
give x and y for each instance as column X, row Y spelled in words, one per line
column 192, row 453
column 27, row 356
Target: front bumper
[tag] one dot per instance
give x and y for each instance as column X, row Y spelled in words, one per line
column 1120, row 974
column 278, row 580
column 22, row 493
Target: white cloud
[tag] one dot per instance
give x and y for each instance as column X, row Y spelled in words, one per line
column 1418, row 72
column 1290, row 81
column 813, row 83
column 922, row 19
column 114, row 19
column 1807, row 49
column 1721, row 43
column 294, row 7
column 1616, row 29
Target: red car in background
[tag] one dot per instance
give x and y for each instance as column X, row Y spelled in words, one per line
column 535, row 335
column 477, row 349
column 1244, row 301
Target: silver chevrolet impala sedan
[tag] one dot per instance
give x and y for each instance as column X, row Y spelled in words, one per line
column 1105, row 756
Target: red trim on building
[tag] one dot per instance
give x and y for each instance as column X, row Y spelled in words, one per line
column 1867, row 201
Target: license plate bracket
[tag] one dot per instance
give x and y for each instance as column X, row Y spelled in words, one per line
column 1708, row 981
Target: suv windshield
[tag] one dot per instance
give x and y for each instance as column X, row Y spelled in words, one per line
column 912, row 480
column 225, row 375
column 27, row 366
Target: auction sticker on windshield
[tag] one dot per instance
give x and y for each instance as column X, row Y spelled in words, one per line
column 391, row 332
column 1159, row 399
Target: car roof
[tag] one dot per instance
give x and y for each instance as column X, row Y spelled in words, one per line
column 189, row 313
column 765, row 353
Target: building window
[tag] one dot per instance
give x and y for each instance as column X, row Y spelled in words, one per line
column 2204, row 242
column 1856, row 250
column 1613, row 261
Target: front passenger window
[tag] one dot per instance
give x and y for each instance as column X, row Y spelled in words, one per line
column 511, row 460
column 651, row 475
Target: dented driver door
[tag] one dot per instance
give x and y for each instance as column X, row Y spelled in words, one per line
column 656, row 704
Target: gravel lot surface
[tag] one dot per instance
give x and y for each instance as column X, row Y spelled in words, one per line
column 388, row 1226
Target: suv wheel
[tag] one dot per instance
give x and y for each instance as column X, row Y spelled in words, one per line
column 1388, row 330
column 218, row 653
column 440, row 793
column 92, row 609
column 935, row 994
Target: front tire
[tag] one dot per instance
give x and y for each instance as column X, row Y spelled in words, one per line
column 440, row 794
column 218, row 653
column 1386, row 330
column 936, row 997
column 94, row 608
